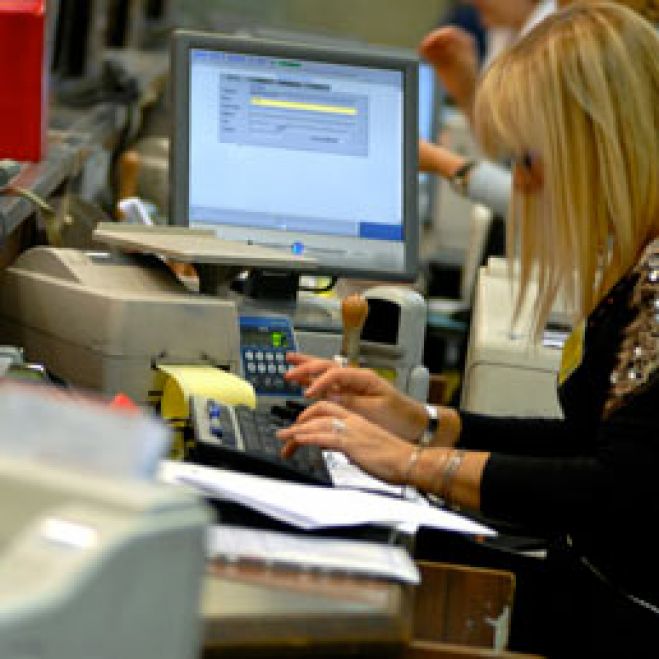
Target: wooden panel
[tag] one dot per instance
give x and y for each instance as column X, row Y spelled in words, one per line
column 463, row 605
column 428, row 650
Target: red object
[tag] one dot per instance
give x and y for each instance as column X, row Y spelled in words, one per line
column 123, row 402
column 23, row 79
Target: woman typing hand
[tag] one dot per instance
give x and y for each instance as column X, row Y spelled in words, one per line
column 386, row 456
column 364, row 392
column 333, row 427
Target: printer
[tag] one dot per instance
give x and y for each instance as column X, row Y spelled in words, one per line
column 506, row 373
column 92, row 566
column 104, row 321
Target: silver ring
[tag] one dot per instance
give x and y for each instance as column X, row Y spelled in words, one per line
column 338, row 426
column 340, row 360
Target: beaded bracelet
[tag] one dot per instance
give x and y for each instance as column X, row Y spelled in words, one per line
column 448, row 474
column 411, row 463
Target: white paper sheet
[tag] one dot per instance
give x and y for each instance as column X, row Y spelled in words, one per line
column 372, row 559
column 313, row 507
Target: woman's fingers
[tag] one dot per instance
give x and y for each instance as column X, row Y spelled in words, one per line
column 334, row 381
column 298, row 358
column 358, row 381
column 324, row 440
column 307, row 370
column 323, row 408
column 318, row 416
column 326, row 429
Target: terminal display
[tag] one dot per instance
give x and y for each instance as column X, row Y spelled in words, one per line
column 305, row 148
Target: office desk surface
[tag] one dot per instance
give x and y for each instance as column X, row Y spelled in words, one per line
column 255, row 611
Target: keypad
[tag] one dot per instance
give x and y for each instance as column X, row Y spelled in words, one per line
column 265, row 340
column 265, row 370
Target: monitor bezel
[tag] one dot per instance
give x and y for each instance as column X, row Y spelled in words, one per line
column 183, row 41
column 436, row 114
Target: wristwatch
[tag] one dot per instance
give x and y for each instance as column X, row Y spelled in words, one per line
column 432, row 427
column 460, row 179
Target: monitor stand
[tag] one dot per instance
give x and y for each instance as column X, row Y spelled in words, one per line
column 218, row 262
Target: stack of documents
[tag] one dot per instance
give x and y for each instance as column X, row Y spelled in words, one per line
column 313, row 507
column 371, row 559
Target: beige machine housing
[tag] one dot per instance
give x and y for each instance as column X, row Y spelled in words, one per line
column 506, row 373
column 104, row 321
column 97, row 567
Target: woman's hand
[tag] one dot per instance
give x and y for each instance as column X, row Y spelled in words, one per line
column 452, row 52
column 331, row 426
column 359, row 390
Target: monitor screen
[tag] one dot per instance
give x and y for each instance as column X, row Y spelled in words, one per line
column 307, row 148
column 430, row 106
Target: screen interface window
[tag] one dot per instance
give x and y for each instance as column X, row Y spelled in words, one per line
column 299, row 154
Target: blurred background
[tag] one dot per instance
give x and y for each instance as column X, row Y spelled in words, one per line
column 391, row 22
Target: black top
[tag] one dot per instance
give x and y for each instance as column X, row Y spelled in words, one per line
column 593, row 476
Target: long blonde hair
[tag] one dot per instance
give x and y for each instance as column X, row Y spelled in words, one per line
column 580, row 93
column 647, row 8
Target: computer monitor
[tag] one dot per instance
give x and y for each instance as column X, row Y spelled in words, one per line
column 431, row 100
column 308, row 148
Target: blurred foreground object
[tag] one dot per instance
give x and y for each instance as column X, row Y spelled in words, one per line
column 96, row 559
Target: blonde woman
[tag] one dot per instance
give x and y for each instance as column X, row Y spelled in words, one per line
column 574, row 105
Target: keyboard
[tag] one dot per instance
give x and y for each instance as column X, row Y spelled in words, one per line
column 240, row 438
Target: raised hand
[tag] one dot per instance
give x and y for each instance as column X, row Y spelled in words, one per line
column 452, row 53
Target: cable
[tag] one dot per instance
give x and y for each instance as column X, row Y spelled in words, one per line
column 38, row 201
column 8, row 169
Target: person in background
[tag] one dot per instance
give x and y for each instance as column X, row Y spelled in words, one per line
column 466, row 17
column 451, row 52
column 574, row 105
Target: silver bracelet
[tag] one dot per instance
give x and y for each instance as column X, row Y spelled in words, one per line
column 448, row 473
column 411, row 463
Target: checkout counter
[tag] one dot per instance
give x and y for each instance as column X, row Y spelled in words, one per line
column 244, row 609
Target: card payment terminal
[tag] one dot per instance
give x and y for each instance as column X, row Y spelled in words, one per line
column 264, row 342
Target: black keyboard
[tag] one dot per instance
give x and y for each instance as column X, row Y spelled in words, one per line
column 244, row 439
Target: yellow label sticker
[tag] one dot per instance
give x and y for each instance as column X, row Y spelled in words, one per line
column 572, row 354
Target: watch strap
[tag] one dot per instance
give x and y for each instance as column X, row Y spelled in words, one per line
column 460, row 179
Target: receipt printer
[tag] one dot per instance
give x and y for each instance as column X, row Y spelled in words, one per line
column 105, row 321
column 97, row 567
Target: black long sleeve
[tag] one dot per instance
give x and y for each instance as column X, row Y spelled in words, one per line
column 591, row 476
column 518, row 436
